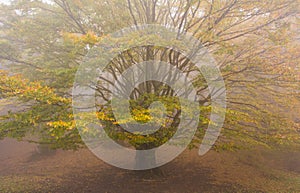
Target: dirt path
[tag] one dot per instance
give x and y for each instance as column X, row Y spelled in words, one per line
column 24, row 169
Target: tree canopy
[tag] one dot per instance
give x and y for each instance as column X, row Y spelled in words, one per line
column 255, row 45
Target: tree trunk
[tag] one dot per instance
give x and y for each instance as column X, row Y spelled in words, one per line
column 145, row 160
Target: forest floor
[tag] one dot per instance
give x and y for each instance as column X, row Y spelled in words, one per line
column 24, row 169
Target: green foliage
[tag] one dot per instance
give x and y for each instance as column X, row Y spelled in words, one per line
column 253, row 44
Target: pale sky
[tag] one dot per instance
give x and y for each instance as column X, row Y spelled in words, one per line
column 8, row 1
column 5, row 1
